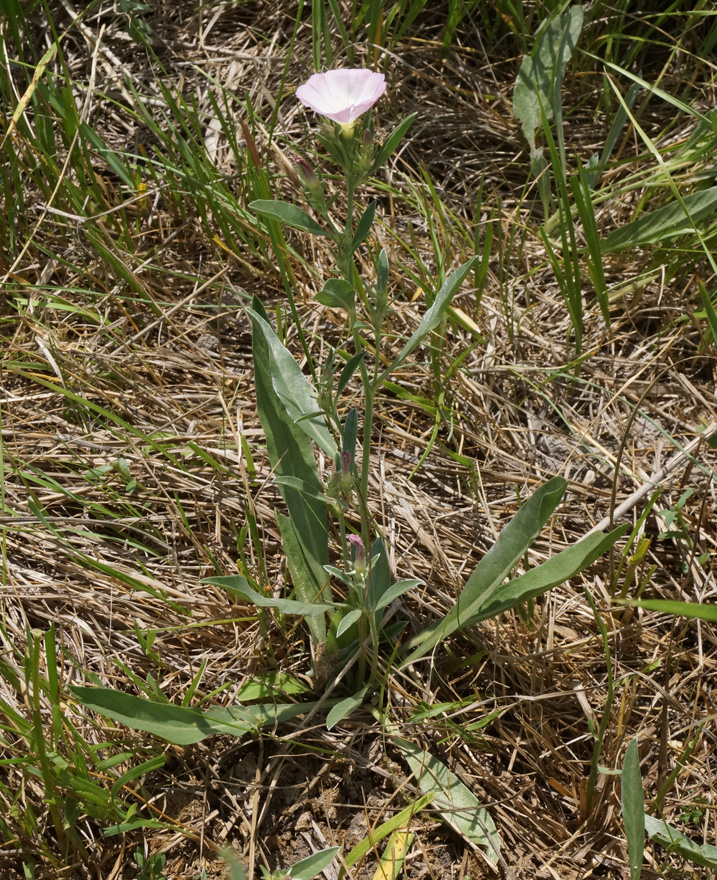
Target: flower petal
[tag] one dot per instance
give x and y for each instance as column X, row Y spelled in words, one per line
column 342, row 95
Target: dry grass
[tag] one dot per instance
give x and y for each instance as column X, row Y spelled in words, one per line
column 150, row 370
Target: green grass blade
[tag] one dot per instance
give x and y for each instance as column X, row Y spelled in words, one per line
column 586, row 211
column 376, row 835
column 694, row 610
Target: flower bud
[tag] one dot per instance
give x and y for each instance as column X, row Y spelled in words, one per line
column 346, row 482
column 307, row 174
column 333, row 486
column 367, row 137
column 359, row 553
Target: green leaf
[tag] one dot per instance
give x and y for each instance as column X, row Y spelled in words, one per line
column 495, row 566
column 343, row 576
column 633, row 809
column 348, row 440
column 348, row 620
column 175, row 724
column 288, row 214
column 261, row 714
column 130, row 825
column 239, row 586
column 270, row 684
column 309, row 579
column 675, row 841
column 301, row 487
column 394, row 591
column 664, row 223
column 391, row 143
column 363, row 228
column 586, row 210
column 454, row 801
column 382, row 274
column 552, row 573
column 709, row 310
column 292, row 387
column 540, row 78
column 349, row 369
column 344, row 708
column 313, row 864
column 337, row 294
column 380, row 577
column 432, row 317
column 291, row 455
column 695, row 610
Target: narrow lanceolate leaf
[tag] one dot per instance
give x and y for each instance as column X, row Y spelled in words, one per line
column 394, row 591
column 537, row 87
column 293, row 388
column 433, row 316
column 675, row 841
column 176, row 724
column 313, row 865
column 382, row 273
column 261, row 714
column 347, row 372
column 495, row 566
column 344, row 708
column 363, row 227
column 301, row 487
column 391, row 143
column 552, row 573
column 664, row 223
column 456, row 803
column 239, row 586
column 502, row 597
column 281, row 400
column 633, row 809
column 380, row 575
column 532, row 584
column 181, row 725
column 348, row 620
column 288, row 214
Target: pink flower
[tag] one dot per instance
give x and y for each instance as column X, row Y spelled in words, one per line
column 342, row 95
